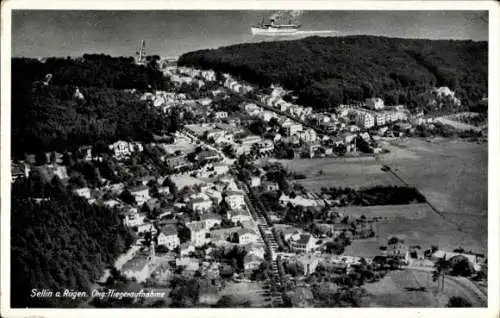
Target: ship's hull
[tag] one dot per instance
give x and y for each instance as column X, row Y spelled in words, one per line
column 272, row 31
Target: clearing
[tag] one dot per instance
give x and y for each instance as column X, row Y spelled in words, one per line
column 340, row 172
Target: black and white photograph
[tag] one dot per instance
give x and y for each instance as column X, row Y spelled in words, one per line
column 251, row 157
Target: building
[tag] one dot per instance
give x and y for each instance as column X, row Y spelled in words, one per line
column 256, row 249
column 302, row 243
column 266, row 146
column 168, row 237
column 122, row 149
column 246, row 236
column 220, row 115
column 375, row 103
column 223, row 234
column 83, row 192
column 186, row 249
column 440, row 254
column 309, row 263
column 291, row 127
column 141, row 194
column 250, row 140
column 19, row 171
column 235, row 199
column 254, row 181
column 198, row 233
column 201, row 204
column 146, row 227
column 208, row 155
column 252, row 262
column 214, row 194
column 133, row 218
column 365, row 120
column 211, row 219
column 308, row 135
column 271, row 186
column 399, row 251
column 177, row 163
column 240, row 215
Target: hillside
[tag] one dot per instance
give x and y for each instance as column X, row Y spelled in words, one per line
column 48, row 117
column 327, row 71
column 61, row 243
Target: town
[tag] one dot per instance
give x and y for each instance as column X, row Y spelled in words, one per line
column 215, row 202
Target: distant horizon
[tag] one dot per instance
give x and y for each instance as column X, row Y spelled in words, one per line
column 49, row 33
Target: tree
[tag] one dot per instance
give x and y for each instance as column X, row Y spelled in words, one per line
column 456, row 301
column 461, row 266
column 441, row 268
column 127, row 197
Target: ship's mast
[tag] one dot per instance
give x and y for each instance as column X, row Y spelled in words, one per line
column 141, row 55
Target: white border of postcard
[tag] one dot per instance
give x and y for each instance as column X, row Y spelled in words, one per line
column 493, row 134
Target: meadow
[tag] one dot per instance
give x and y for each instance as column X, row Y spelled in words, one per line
column 451, row 173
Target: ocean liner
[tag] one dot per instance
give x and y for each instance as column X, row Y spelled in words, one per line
column 274, row 27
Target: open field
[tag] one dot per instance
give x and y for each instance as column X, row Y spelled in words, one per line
column 348, row 172
column 453, row 176
column 425, row 231
column 392, row 291
column 407, row 211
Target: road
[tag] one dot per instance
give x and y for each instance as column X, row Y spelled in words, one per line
column 263, row 227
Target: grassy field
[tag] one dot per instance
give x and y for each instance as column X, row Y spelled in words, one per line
column 392, row 291
column 407, row 211
column 425, row 231
column 453, row 176
column 352, row 172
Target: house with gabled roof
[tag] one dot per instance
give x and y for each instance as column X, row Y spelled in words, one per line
column 168, row 237
column 302, row 243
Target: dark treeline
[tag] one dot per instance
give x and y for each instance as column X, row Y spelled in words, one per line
column 327, row 71
column 49, row 117
column 91, row 70
column 61, row 243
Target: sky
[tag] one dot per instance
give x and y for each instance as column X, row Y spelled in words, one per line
column 171, row 33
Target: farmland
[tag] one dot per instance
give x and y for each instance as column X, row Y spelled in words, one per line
column 348, row 172
column 424, row 231
column 453, row 176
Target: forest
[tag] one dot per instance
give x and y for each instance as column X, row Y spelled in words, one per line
column 327, row 71
column 59, row 243
column 47, row 116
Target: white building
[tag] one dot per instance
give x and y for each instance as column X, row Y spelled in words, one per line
column 291, row 127
column 168, row 237
column 246, row 236
column 302, row 243
column 254, row 181
column 133, row 219
column 123, row 149
column 82, row 192
column 220, row 115
column 235, row 199
column 141, row 194
column 239, row 215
